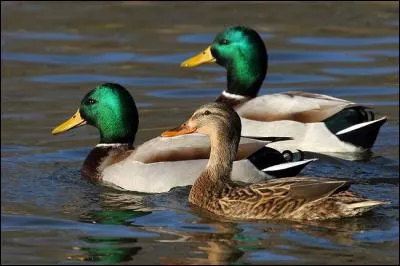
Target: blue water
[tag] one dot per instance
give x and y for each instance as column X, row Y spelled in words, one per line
column 53, row 53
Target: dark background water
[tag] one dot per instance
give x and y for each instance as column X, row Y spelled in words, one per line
column 53, row 53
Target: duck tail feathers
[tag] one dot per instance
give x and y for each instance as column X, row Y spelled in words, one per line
column 362, row 134
column 361, row 207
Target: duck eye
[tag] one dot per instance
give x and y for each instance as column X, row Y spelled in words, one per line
column 207, row 112
column 224, row 41
column 91, row 101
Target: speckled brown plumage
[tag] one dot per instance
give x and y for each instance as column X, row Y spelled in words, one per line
column 296, row 198
column 286, row 198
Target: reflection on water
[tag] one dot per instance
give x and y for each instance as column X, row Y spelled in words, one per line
column 224, row 242
column 53, row 53
column 109, row 250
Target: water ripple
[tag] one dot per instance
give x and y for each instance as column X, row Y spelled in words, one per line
column 69, row 155
column 362, row 71
column 11, row 222
column 46, row 36
column 134, row 81
column 345, row 41
column 293, row 57
column 85, row 59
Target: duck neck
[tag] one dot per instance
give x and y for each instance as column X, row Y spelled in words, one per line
column 117, row 132
column 245, row 75
column 222, row 154
column 217, row 174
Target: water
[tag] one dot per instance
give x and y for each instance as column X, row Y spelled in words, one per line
column 53, row 53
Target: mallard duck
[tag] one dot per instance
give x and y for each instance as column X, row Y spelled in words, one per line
column 158, row 164
column 296, row 198
column 316, row 122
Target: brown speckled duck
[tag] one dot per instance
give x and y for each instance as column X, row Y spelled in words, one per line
column 294, row 198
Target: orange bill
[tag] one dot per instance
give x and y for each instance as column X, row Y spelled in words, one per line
column 181, row 130
column 201, row 58
column 75, row 121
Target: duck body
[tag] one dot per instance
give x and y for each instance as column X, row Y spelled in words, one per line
column 317, row 123
column 295, row 198
column 160, row 163
column 163, row 163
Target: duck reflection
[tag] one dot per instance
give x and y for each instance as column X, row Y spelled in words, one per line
column 279, row 238
column 200, row 237
column 119, row 208
column 220, row 247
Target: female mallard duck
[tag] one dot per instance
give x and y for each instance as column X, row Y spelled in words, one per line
column 159, row 164
column 284, row 198
column 316, row 122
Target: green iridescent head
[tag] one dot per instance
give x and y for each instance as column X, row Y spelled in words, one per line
column 242, row 52
column 111, row 109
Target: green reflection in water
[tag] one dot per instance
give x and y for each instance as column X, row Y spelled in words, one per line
column 111, row 250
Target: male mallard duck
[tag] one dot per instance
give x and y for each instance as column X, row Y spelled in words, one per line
column 284, row 198
column 316, row 122
column 158, row 164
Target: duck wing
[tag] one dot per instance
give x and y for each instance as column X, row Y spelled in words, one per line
column 187, row 147
column 293, row 105
column 277, row 197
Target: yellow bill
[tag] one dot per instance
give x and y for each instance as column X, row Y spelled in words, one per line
column 181, row 130
column 75, row 121
column 201, row 58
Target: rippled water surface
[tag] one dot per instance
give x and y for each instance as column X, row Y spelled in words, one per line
column 53, row 53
